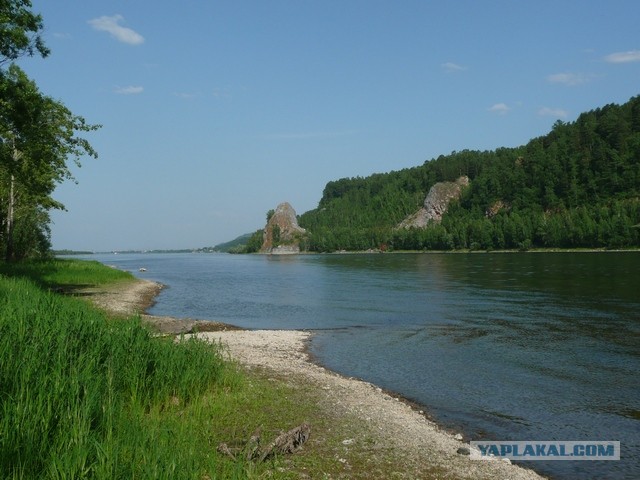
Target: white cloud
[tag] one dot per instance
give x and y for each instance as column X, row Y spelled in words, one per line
column 569, row 79
column 623, row 57
column 552, row 112
column 117, row 31
column 130, row 90
column 500, row 108
column 451, row 67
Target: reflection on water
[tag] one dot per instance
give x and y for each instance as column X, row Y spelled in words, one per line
column 500, row 346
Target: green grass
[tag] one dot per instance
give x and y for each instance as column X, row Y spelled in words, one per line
column 82, row 396
column 65, row 274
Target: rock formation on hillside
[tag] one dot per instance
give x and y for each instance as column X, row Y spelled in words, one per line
column 496, row 207
column 436, row 203
column 282, row 234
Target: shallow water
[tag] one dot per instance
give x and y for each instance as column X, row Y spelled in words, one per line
column 527, row 346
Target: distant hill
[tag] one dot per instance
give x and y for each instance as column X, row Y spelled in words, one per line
column 232, row 246
column 577, row 186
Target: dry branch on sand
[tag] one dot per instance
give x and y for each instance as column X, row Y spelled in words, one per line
column 285, row 443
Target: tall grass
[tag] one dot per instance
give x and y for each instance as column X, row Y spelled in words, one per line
column 64, row 273
column 82, row 397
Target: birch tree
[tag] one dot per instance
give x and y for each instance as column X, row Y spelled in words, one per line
column 38, row 139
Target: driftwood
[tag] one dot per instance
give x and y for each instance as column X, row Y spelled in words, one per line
column 252, row 447
column 285, row 443
column 225, row 450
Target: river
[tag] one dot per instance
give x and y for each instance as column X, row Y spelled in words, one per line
column 500, row 346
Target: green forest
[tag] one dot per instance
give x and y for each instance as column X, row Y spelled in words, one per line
column 576, row 187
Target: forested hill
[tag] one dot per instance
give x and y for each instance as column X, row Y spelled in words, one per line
column 578, row 186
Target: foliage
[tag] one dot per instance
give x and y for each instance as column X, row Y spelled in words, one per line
column 255, row 242
column 270, row 214
column 578, row 186
column 38, row 136
column 248, row 243
column 275, row 235
column 231, row 246
column 19, row 31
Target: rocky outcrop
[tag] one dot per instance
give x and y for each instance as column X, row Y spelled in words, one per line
column 282, row 234
column 436, row 203
column 495, row 208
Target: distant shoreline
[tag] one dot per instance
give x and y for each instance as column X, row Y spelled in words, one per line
column 358, row 252
column 466, row 251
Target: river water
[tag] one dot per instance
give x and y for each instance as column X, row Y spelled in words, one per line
column 502, row 346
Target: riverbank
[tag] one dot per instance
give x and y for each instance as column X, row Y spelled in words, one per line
column 374, row 424
column 86, row 394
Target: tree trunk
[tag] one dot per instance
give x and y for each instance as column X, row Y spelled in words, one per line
column 10, row 219
column 11, row 208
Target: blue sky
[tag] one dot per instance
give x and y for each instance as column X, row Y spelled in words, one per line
column 215, row 112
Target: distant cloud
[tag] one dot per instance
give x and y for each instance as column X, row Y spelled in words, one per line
column 569, row 79
column 221, row 93
column 451, row 67
column 623, row 57
column 500, row 108
column 117, row 31
column 186, row 95
column 553, row 112
column 130, row 90
column 306, row 135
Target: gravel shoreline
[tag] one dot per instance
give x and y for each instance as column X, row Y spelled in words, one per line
column 417, row 440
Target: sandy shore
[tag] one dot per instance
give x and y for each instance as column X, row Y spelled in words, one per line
column 132, row 298
column 418, row 441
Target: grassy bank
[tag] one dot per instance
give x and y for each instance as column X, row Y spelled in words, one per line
column 83, row 397
column 65, row 274
column 86, row 396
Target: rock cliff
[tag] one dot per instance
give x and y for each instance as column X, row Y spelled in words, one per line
column 282, row 234
column 436, row 203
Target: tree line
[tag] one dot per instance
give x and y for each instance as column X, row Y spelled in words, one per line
column 577, row 186
column 38, row 138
